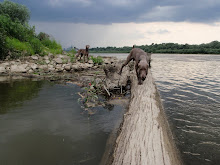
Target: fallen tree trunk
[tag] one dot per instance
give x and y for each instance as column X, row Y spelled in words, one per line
column 145, row 137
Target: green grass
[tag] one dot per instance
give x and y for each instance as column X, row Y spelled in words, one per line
column 56, row 51
column 72, row 56
column 21, row 47
column 53, row 46
column 97, row 60
column 42, row 62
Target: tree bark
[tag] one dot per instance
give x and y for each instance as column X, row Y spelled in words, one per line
column 145, row 137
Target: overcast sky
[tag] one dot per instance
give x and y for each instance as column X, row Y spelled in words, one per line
column 126, row 22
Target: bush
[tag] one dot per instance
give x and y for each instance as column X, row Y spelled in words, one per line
column 16, row 29
column 18, row 37
column 15, row 11
column 3, row 48
column 43, row 36
column 53, row 46
column 36, row 45
column 21, row 48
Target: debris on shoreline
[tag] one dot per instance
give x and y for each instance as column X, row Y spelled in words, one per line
column 100, row 82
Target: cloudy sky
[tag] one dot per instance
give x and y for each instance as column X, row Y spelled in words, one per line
column 126, row 22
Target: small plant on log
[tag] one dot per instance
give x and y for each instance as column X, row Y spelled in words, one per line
column 89, row 97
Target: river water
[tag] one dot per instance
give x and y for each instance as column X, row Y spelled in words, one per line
column 43, row 123
column 189, row 86
column 190, row 89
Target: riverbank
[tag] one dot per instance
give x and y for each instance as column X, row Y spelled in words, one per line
column 51, row 67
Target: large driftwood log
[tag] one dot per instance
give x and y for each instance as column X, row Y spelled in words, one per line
column 145, row 137
column 113, row 79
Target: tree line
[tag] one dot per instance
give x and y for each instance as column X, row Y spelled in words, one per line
column 175, row 48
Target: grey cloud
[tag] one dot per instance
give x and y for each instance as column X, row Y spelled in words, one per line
column 160, row 31
column 123, row 11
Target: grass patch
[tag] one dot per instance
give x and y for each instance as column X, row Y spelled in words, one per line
column 53, row 46
column 97, row 60
column 42, row 62
column 72, row 57
column 24, row 48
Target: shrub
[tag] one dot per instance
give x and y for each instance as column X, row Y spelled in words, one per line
column 16, row 29
column 43, row 36
column 3, row 49
column 53, row 46
column 36, row 45
column 21, row 48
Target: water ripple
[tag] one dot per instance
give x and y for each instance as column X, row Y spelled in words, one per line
column 190, row 89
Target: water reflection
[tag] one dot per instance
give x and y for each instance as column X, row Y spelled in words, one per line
column 48, row 128
column 14, row 94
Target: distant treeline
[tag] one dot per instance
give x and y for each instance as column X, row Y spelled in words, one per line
column 209, row 48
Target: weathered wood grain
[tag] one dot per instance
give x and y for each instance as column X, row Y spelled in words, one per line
column 145, row 137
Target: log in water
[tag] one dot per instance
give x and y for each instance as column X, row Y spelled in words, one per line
column 145, row 137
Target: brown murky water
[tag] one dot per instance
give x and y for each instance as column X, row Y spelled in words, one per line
column 42, row 123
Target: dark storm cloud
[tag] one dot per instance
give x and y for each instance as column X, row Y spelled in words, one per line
column 123, row 11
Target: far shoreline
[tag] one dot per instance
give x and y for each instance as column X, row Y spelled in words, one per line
column 92, row 53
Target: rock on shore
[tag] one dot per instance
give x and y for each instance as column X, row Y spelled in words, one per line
column 47, row 64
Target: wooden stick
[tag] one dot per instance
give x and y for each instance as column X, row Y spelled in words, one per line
column 107, row 90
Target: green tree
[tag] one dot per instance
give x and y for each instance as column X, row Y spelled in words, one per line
column 43, row 36
column 15, row 11
column 16, row 29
